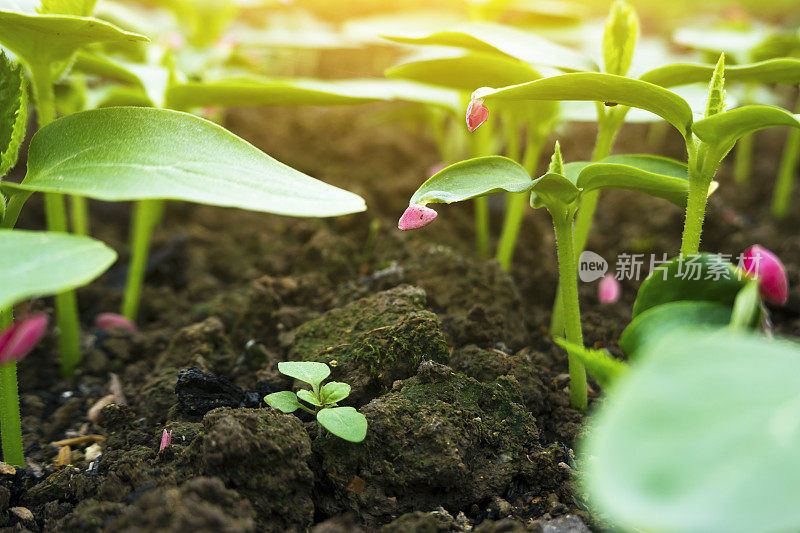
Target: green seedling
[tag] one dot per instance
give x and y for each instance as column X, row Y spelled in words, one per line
column 321, row 401
column 560, row 191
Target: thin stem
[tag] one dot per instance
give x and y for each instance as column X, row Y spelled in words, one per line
column 787, row 172
column 79, row 215
column 568, row 276
column 146, row 216
column 15, row 204
column 702, row 167
column 481, row 146
column 10, row 424
column 743, row 161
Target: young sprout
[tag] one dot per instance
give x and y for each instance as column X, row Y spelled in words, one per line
column 415, row 217
column 321, row 400
column 114, row 321
column 166, row 440
column 765, row 266
column 609, row 290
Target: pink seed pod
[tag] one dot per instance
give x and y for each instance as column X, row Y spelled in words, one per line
column 477, row 113
column 609, row 290
column 773, row 284
column 112, row 321
column 18, row 339
column 166, row 440
column 415, row 217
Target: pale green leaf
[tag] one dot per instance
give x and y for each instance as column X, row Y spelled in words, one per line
column 152, row 79
column 472, row 178
column 306, row 371
column 746, row 311
column 34, row 264
column 285, row 401
column 128, row 153
column 772, row 71
column 13, row 113
column 724, row 129
column 344, row 422
column 554, row 191
column 716, row 90
column 308, row 396
column 80, row 8
column 334, row 392
column 619, row 38
column 601, row 365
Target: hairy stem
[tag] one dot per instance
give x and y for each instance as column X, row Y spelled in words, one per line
column 146, row 216
column 787, row 172
column 10, row 425
column 702, row 167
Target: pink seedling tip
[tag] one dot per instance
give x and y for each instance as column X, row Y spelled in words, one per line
column 166, row 440
column 477, row 113
column 18, row 339
column 415, row 217
column 762, row 264
column 112, row 321
column 609, row 290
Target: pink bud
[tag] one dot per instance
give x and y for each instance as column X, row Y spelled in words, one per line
column 166, row 440
column 113, row 320
column 415, row 217
column 19, row 339
column 477, row 113
column 608, row 290
column 773, row 284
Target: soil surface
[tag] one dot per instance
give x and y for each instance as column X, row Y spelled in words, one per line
column 449, row 357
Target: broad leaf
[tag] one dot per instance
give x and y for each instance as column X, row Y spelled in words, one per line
column 308, row 396
column 701, row 277
column 724, row 129
column 344, row 422
column 80, row 8
column 649, row 326
column 305, row 371
column 119, row 154
column 285, row 401
column 472, row 178
column 496, row 38
column 701, row 436
column 772, row 71
column 601, row 365
column 334, row 392
column 597, row 87
column 34, row 264
column 657, row 176
column 13, row 113
column 307, row 92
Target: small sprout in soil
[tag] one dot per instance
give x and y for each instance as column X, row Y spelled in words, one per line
column 769, row 270
column 609, row 290
column 344, row 422
column 477, row 113
column 108, row 321
column 166, row 440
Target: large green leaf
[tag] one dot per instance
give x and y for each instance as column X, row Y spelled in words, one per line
column 129, row 153
column 771, row 71
column 45, row 39
column 13, row 113
column 34, row 264
column 657, row 176
column 307, row 92
column 553, row 191
column 285, row 401
column 472, row 178
column 309, row 372
column 649, row 326
column 701, row 436
column 344, row 422
column 334, row 391
column 598, row 87
column 724, row 129
column 496, row 38
column 701, row 277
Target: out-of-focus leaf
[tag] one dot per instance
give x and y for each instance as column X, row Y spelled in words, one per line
column 724, row 129
column 771, row 71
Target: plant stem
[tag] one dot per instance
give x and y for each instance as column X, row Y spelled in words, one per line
column 702, row 167
column 787, row 172
column 55, row 212
column 482, row 146
column 10, row 424
column 743, row 162
column 13, row 209
column 79, row 215
column 146, row 216
column 568, row 277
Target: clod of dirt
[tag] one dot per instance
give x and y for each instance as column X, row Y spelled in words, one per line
column 262, row 455
column 205, row 345
column 199, row 392
column 374, row 341
column 442, row 439
column 439, row 521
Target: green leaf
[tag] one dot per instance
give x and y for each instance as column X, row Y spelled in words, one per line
column 772, row 71
column 496, row 38
column 308, row 396
column 716, row 90
column 13, row 113
column 305, row 371
column 463, row 70
column 660, row 177
column 619, row 38
column 152, row 79
column 344, row 422
column 650, row 325
column 34, row 264
column 701, row 436
column 746, row 312
column 723, row 130
column 334, row 392
column 599, row 87
column 24, row 34
column 2, row 207
column 701, row 277
column 80, row 8
column 554, row 191
column 285, row 401
column 119, row 154
column 307, row 92
column 480, row 176
column 603, row 367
